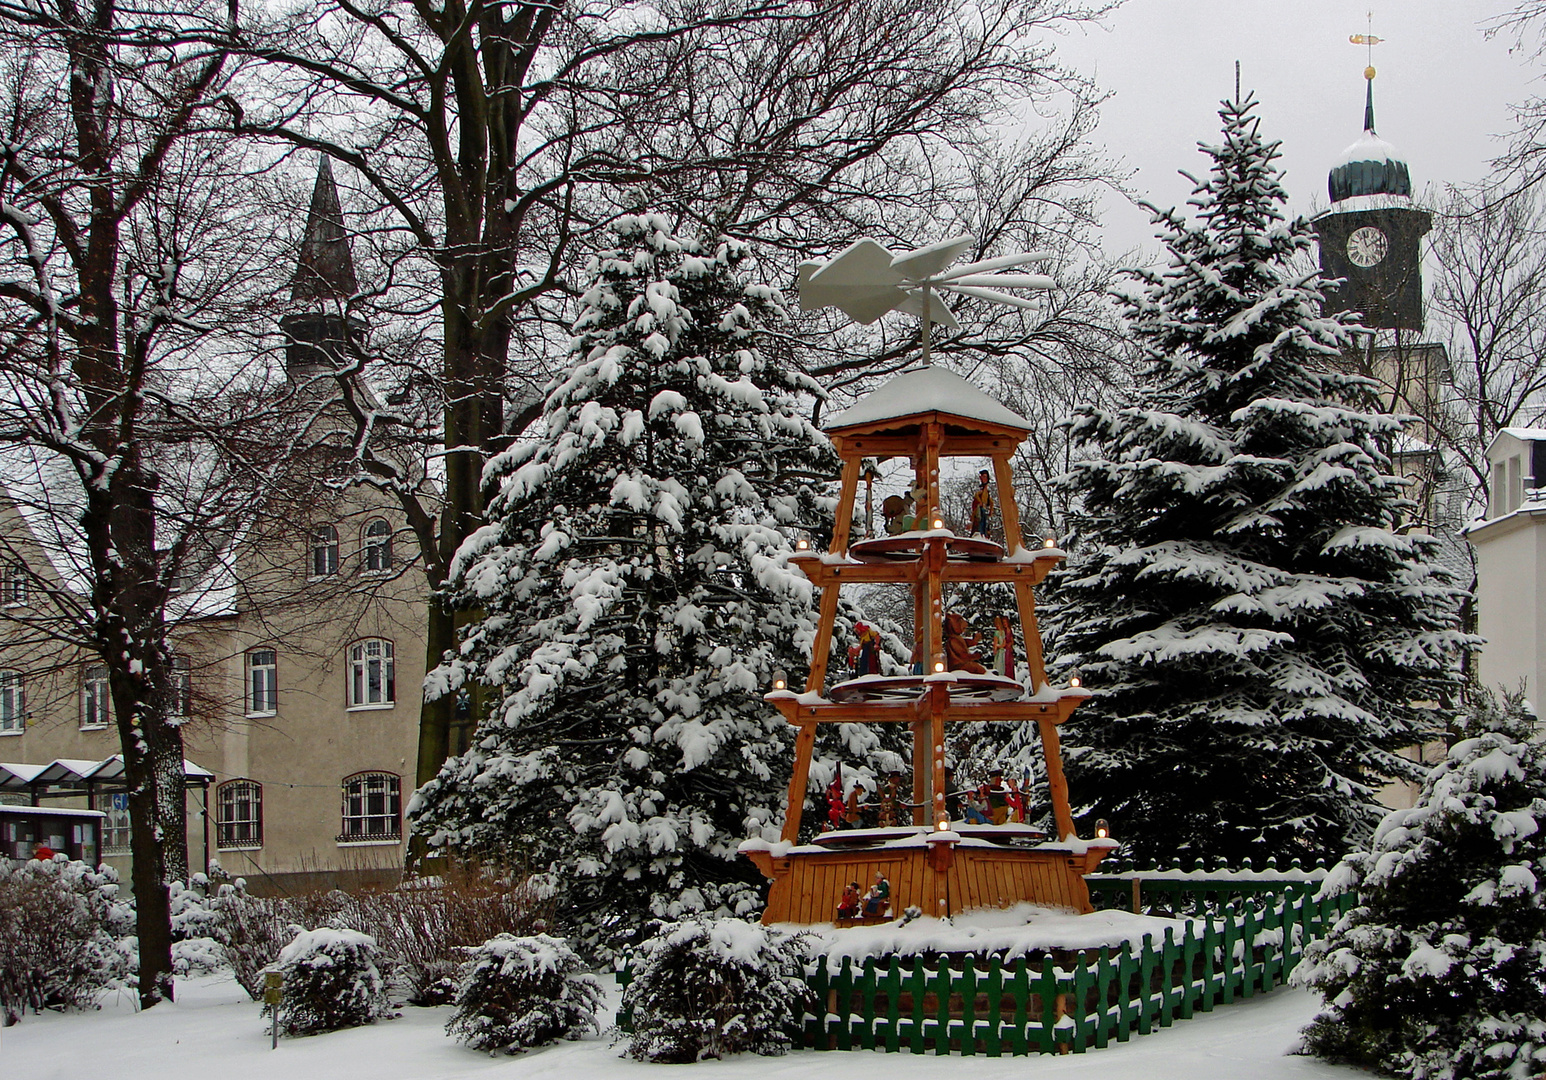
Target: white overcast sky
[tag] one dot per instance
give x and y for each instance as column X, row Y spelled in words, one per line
column 1441, row 95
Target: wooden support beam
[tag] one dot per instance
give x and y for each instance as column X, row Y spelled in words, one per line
column 822, row 647
column 1057, row 784
column 804, row 741
column 938, row 706
column 845, row 506
column 900, row 572
column 1014, row 573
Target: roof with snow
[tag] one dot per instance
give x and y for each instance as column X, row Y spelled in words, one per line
column 925, row 390
column 1524, row 434
column 1371, row 166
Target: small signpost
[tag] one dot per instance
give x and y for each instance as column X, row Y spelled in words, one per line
column 273, row 994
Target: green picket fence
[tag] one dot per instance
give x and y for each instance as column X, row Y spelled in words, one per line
column 1064, row 1001
column 1180, row 895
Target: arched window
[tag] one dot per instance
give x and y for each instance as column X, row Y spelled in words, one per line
column 262, row 682
column 378, row 546
column 324, row 551
column 373, row 808
column 239, row 814
column 94, row 707
column 13, row 708
column 372, row 680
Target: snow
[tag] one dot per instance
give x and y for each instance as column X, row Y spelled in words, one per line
column 213, row 1029
column 50, row 811
column 930, row 389
column 1355, row 203
column 1368, row 147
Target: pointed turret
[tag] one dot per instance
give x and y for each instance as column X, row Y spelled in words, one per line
column 326, row 269
column 321, row 334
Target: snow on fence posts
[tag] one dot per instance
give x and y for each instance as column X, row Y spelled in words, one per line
column 1196, row 891
column 1066, row 1001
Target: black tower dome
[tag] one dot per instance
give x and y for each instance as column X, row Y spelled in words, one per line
column 1371, row 166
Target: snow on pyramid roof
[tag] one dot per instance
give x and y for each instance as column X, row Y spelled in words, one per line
column 927, row 389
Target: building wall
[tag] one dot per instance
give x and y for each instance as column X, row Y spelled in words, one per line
column 1510, row 563
column 301, row 752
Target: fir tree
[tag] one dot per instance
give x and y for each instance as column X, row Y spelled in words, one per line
column 1439, row 972
column 634, row 601
column 1260, row 637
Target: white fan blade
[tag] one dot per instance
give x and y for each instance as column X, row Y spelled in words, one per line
column 1000, row 262
column 1004, row 281
column 926, row 262
column 993, row 295
column 939, row 314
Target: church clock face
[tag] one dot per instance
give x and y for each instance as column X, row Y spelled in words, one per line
column 1367, row 246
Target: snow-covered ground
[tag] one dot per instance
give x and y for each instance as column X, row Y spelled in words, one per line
column 214, row 1030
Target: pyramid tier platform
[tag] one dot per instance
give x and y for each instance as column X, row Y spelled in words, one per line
column 963, row 685
column 910, row 545
column 1010, row 834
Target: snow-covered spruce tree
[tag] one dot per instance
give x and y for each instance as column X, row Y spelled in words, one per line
column 1439, row 972
column 1260, row 637
column 634, row 601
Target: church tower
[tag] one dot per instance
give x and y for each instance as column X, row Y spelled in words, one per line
column 1371, row 235
column 319, row 332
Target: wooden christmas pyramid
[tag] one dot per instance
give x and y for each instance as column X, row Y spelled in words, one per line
column 939, row 865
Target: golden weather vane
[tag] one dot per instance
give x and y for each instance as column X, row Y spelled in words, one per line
column 1370, row 41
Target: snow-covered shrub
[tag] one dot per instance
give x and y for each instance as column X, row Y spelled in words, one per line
column 332, row 979
column 523, row 991
column 196, row 944
column 251, row 931
column 705, row 988
column 1439, row 972
column 63, row 935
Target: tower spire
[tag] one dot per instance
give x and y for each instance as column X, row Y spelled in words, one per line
column 325, row 269
column 1368, row 41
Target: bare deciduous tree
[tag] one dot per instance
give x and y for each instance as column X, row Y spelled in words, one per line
column 142, row 433
column 496, row 139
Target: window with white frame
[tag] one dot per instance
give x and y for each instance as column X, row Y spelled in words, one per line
column 181, row 703
column 373, row 808
column 13, row 706
column 372, row 680
column 262, row 682
column 324, row 551
column 239, row 814
column 94, row 707
column 378, row 546
column 13, row 585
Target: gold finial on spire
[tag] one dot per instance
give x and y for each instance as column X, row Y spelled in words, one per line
column 1370, row 41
